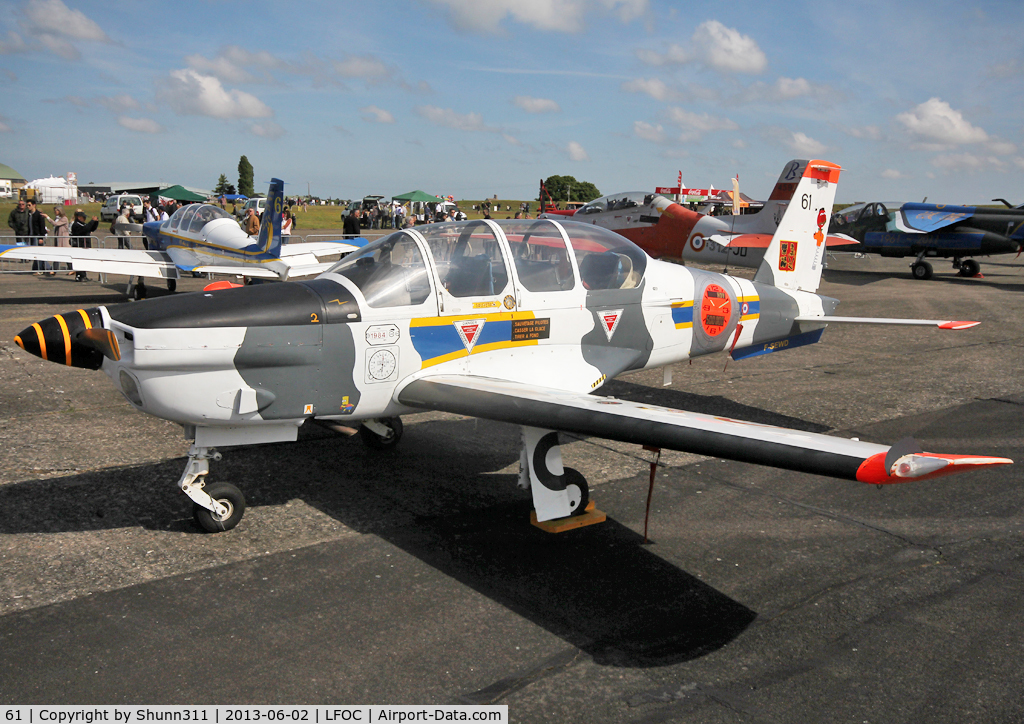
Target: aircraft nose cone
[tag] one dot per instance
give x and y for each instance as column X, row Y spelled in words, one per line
column 63, row 339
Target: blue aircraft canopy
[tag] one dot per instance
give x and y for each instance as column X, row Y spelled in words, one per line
column 194, row 217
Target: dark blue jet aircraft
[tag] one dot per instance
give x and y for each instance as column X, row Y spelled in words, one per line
column 933, row 230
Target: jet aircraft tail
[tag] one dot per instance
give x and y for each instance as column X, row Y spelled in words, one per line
column 796, row 253
column 270, row 230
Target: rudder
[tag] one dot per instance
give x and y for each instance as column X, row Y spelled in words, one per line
column 270, row 233
column 796, row 253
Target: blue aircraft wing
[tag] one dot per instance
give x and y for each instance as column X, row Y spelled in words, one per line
column 932, row 217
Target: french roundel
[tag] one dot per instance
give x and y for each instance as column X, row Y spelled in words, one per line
column 697, row 242
column 715, row 310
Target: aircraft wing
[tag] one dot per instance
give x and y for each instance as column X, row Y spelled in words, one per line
column 761, row 241
column 129, row 262
column 929, row 217
column 692, row 432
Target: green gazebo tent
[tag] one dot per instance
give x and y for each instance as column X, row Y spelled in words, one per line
column 180, row 193
column 417, row 197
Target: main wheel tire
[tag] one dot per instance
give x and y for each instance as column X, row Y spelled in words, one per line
column 969, row 268
column 228, row 495
column 375, row 441
column 578, row 490
column 922, row 270
column 172, row 284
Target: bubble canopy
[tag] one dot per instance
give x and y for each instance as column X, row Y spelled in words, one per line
column 472, row 259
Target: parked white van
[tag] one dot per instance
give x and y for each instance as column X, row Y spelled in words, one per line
column 112, row 206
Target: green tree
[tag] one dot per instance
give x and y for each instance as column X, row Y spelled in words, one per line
column 223, row 187
column 567, row 188
column 245, row 186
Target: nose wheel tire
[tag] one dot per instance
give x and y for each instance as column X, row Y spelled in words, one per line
column 921, row 270
column 230, row 497
column 969, row 268
column 376, row 441
column 578, row 490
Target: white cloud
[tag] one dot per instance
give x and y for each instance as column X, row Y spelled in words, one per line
column 797, row 142
column 536, row 105
column 935, row 121
column 700, row 122
column 189, row 93
column 118, row 103
column 783, row 89
column 55, row 25
column 565, row 16
column 267, row 129
column 654, row 87
column 1001, row 147
column 739, row 143
column 511, row 140
column 12, row 44
column 892, row 174
column 869, row 133
column 220, row 67
column 968, row 163
column 362, row 67
column 576, row 152
column 648, row 132
column 717, row 46
column 728, row 50
column 4, row 128
column 450, row 119
column 373, row 114
column 140, row 125
column 675, row 55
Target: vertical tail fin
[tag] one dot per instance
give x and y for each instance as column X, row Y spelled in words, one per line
column 270, row 230
column 794, row 257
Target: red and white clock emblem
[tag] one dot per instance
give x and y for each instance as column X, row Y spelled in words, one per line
column 715, row 310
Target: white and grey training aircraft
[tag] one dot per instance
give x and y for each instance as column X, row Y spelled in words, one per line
column 517, row 321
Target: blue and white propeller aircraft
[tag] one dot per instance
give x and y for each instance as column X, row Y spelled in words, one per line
column 200, row 238
column 516, row 321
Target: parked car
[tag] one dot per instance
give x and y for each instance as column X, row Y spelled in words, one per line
column 259, row 205
column 111, row 208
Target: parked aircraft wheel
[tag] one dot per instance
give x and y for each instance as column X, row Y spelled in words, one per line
column 969, row 268
column 375, row 441
column 921, row 270
column 172, row 284
column 578, row 490
column 228, row 495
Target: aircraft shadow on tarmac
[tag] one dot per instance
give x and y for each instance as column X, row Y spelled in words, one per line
column 439, row 498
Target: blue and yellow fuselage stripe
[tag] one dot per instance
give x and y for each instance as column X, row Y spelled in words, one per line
column 750, row 308
column 436, row 339
column 682, row 314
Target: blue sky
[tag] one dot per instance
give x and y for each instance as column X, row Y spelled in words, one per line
column 481, row 97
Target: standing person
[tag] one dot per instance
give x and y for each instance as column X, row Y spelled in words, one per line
column 286, row 226
column 36, row 233
column 150, row 212
column 120, row 227
column 19, row 220
column 81, row 236
column 62, row 229
column 251, row 223
column 350, row 229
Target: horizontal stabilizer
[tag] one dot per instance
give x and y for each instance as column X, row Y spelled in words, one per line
column 319, row 248
column 761, row 241
column 940, row 323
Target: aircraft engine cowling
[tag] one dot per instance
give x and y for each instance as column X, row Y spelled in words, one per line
column 75, row 339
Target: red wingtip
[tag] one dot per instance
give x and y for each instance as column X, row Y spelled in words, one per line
column 958, row 325
column 922, row 466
